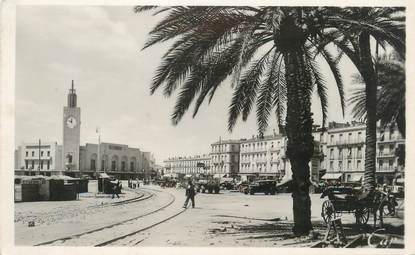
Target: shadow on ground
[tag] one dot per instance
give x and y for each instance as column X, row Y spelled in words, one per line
column 279, row 232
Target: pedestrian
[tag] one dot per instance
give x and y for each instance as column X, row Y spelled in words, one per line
column 115, row 188
column 190, row 194
column 138, row 183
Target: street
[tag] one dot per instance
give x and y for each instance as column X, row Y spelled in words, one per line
column 152, row 216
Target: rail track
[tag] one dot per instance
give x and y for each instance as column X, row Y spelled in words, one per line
column 122, row 223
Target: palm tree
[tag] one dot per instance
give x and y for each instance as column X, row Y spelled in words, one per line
column 355, row 28
column 270, row 51
column 391, row 93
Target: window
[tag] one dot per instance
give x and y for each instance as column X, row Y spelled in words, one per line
column 41, row 164
column 26, row 162
column 349, row 152
column 359, row 152
column 331, row 138
column 33, row 164
column 331, row 165
column 33, row 153
column 349, row 164
column 391, row 149
column 340, row 165
column 331, row 153
column 359, row 163
column 380, row 163
column 48, row 153
column 113, row 166
column 381, row 150
column 41, row 153
column 340, row 153
column 122, row 165
column 93, row 164
column 350, row 137
column 48, row 164
column 359, row 136
column 390, row 163
column 27, row 153
column 341, row 138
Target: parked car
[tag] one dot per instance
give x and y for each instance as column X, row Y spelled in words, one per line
column 262, row 186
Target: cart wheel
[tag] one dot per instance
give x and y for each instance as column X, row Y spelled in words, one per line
column 362, row 215
column 388, row 209
column 327, row 211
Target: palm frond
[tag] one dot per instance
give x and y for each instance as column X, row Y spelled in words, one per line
column 246, row 90
column 266, row 92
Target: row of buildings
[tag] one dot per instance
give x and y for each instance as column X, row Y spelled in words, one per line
column 73, row 159
column 339, row 154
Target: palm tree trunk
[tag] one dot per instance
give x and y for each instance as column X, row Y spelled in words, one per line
column 300, row 139
column 369, row 75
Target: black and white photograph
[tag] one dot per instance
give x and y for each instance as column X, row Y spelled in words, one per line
column 237, row 125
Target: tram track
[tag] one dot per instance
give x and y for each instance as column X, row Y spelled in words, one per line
column 111, row 241
column 117, row 224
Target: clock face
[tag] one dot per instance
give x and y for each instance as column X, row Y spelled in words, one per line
column 71, row 122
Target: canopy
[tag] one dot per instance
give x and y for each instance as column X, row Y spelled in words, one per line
column 104, row 175
column 356, row 178
column 400, row 181
column 61, row 177
column 331, row 176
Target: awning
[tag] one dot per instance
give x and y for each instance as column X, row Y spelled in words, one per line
column 188, row 176
column 104, row 175
column 331, row 176
column 400, row 181
column 356, row 177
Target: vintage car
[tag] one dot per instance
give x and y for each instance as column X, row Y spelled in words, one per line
column 211, row 186
column 263, row 186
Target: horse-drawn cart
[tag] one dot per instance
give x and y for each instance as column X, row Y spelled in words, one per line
column 360, row 203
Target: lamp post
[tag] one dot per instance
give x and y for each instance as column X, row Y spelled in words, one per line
column 98, row 167
column 38, row 167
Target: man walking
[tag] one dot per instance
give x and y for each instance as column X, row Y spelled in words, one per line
column 115, row 188
column 190, row 194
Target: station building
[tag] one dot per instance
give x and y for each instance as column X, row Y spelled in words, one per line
column 75, row 160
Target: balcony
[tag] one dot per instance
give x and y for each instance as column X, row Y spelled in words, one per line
column 385, row 169
column 386, row 155
column 346, row 142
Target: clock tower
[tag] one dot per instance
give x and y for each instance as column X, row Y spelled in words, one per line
column 71, row 133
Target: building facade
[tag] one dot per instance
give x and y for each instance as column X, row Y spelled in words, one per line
column 196, row 164
column 264, row 155
column 224, row 157
column 38, row 158
column 115, row 159
column 345, row 152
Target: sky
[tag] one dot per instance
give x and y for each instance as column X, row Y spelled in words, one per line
column 99, row 47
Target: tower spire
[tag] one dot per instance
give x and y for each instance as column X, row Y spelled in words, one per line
column 72, row 96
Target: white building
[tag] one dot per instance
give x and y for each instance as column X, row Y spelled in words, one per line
column 263, row 156
column 188, row 165
column 225, row 157
column 38, row 158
